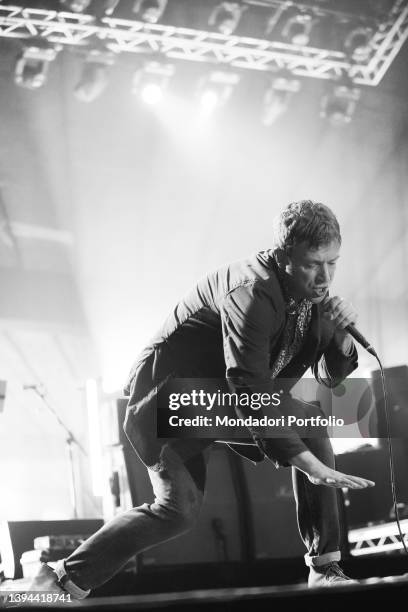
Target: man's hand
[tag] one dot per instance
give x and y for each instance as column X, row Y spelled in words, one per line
column 320, row 474
column 332, row 478
column 341, row 313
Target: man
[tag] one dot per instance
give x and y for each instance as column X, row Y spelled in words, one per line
column 250, row 322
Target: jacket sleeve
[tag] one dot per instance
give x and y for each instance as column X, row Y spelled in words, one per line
column 333, row 366
column 250, row 327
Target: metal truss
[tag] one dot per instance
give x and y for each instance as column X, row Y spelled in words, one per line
column 129, row 36
column 377, row 538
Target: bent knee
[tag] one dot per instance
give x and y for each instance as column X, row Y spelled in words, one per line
column 183, row 522
column 179, row 520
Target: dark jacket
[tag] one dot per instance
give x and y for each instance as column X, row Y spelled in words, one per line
column 230, row 325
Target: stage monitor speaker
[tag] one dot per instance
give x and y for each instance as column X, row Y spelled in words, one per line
column 17, row 537
column 373, row 505
column 273, row 510
column 396, row 383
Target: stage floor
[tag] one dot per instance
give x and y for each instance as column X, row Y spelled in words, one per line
column 149, row 590
column 378, row 590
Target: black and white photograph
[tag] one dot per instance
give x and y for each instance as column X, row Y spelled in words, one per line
column 203, row 304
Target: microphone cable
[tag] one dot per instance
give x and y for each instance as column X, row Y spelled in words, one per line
column 390, row 452
column 361, row 340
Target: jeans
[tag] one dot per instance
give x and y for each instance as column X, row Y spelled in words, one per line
column 178, row 482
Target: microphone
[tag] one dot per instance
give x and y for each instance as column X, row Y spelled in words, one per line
column 358, row 337
column 353, row 331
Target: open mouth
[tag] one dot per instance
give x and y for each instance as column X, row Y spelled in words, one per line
column 320, row 290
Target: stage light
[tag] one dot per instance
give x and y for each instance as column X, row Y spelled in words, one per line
column 95, row 75
column 75, row 6
column 339, row 105
column 32, row 63
column 277, row 98
column 105, row 7
column 149, row 10
column 298, row 29
column 152, row 93
column 151, row 82
column 358, row 44
column 226, row 16
column 110, row 6
column 209, row 100
column 215, row 89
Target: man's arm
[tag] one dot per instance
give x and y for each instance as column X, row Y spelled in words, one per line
column 320, row 474
column 249, row 328
column 251, row 324
column 340, row 357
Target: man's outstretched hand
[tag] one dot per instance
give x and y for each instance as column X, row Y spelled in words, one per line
column 332, row 478
column 320, row 474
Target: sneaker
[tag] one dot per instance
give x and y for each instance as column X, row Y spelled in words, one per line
column 328, row 575
column 57, row 581
column 43, row 590
column 46, row 580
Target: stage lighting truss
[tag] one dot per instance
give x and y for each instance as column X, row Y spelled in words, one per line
column 129, row 36
column 32, row 63
column 377, row 538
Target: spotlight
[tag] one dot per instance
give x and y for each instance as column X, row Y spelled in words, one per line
column 105, row 7
column 215, row 89
column 32, row 63
column 226, row 16
column 277, row 98
column 76, row 6
column 209, row 100
column 358, row 44
column 151, row 81
column 338, row 106
column 298, row 29
column 94, row 76
column 149, row 10
column 110, row 6
column 151, row 93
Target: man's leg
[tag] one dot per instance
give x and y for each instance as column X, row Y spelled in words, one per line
column 317, row 509
column 178, row 489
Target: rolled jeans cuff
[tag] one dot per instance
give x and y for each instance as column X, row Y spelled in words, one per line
column 67, row 584
column 319, row 560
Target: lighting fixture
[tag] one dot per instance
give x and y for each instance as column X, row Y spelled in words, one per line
column 149, row 10
column 277, row 98
column 226, row 16
column 32, row 63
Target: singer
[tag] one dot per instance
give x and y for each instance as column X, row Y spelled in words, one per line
column 251, row 322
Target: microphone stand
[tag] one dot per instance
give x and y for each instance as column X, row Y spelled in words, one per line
column 70, row 439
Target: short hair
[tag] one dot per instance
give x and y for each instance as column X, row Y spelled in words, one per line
column 306, row 221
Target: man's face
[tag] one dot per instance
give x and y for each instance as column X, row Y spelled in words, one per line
column 310, row 271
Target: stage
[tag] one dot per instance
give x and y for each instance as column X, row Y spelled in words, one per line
column 232, row 586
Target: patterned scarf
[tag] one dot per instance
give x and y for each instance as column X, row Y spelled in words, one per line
column 298, row 317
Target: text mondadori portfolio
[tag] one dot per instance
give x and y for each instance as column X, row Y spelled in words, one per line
column 198, row 398
column 283, row 421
